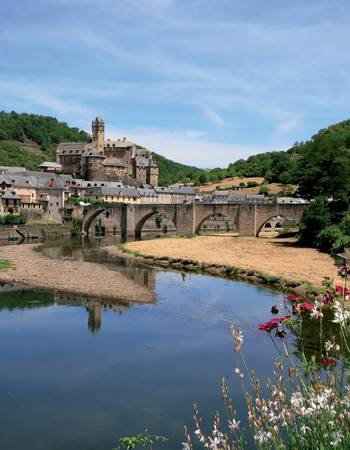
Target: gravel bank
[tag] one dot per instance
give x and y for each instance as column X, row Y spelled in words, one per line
column 275, row 257
column 79, row 277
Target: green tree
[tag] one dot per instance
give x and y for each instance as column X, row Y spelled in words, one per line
column 203, row 178
column 316, row 218
column 264, row 190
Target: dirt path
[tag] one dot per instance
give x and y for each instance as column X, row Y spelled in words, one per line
column 277, row 257
column 79, row 277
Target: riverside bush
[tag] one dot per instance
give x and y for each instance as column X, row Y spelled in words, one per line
column 12, row 219
column 76, row 226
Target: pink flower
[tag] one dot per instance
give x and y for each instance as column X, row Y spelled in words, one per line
column 293, row 297
column 303, row 308
column 342, row 290
column 326, row 298
column 268, row 326
column 273, row 323
column 327, row 362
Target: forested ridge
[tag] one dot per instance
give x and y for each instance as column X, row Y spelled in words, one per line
column 172, row 172
column 29, row 139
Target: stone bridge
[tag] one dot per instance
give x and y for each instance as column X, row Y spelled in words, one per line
column 248, row 218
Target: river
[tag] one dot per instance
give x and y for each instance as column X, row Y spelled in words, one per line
column 76, row 375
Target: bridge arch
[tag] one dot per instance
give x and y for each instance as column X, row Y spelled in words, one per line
column 90, row 217
column 213, row 215
column 141, row 222
column 280, row 219
column 111, row 216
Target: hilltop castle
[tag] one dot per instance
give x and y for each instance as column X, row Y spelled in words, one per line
column 101, row 160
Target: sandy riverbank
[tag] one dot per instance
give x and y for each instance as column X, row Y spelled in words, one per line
column 275, row 257
column 79, row 277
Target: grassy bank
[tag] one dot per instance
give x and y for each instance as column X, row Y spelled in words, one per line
column 6, row 264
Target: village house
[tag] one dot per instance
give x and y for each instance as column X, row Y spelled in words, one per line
column 175, row 194
column 49, row 166
column 290, row 200
column 40, row 193
column 78, row 187
column 128, row 194
column 148, row 195
column 10, row 202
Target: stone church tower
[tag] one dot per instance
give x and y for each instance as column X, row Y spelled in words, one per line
column 98, row 133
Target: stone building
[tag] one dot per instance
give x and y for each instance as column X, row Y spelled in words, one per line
column 107, row 160
column 40, row 193
column 10, row 202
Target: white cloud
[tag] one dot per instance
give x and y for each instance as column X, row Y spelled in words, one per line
column 188, row 147
column 287, row 126
column 32, row 95
column 213, row 116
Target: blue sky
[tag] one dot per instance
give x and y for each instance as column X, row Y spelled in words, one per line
column 203, row 82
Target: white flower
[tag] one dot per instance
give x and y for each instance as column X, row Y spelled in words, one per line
column 237, row 338
column 304, row 429
column 336, row 438
column 239, row 373
column 185, row 446
column 262, row 437
column 328, row 346
column 297, row 400
column 213, row 443
column 233, row 424
column 341, row 315
column 316, row 314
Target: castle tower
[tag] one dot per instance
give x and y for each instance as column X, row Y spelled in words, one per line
column 95, row 312
column 98, row 132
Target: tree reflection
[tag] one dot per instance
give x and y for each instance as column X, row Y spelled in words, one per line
column 12, row 299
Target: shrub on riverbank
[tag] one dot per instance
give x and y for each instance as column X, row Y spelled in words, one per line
column 12, row 219
column 76, row 226
column 325, row 228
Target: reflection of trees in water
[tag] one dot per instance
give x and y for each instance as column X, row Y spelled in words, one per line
column 11, row 300
column 314, row 333
column 24, row 299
